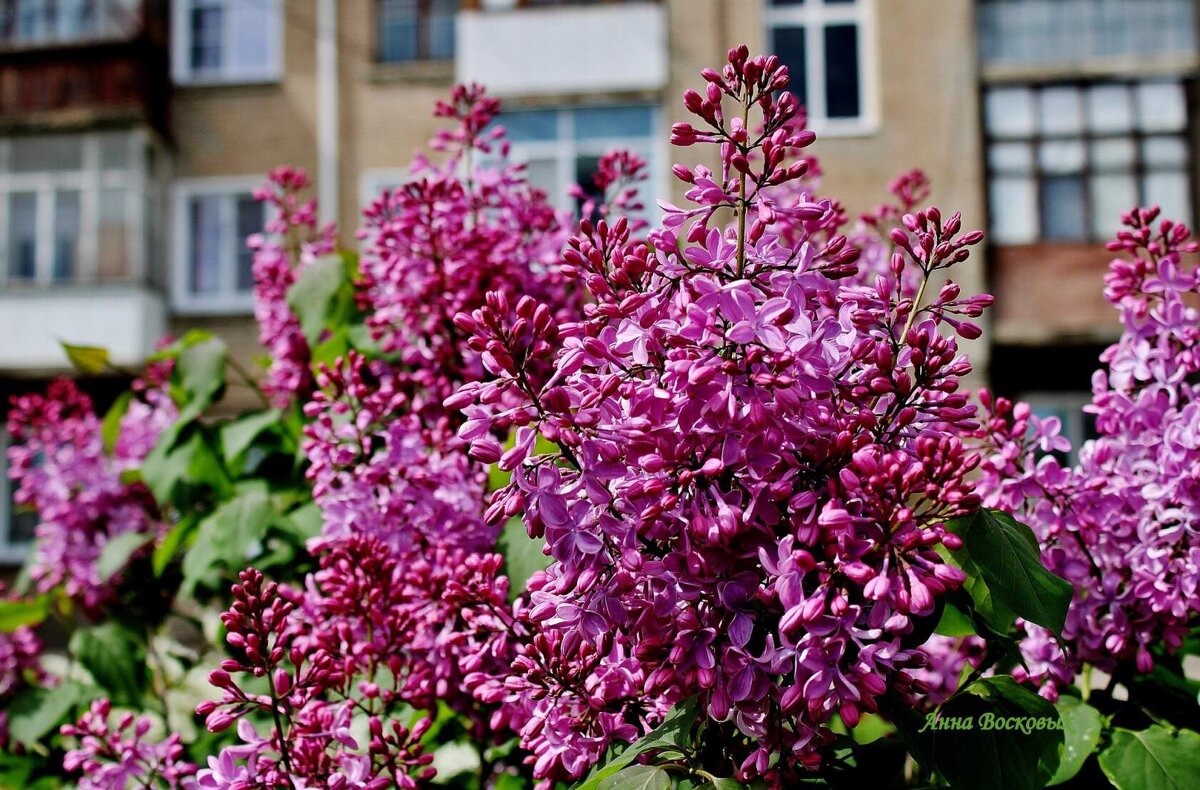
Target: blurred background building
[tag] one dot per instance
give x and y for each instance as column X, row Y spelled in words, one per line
column 133, row 131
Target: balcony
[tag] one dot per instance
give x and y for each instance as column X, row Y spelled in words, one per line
column 74, row 63
column 1074, row 33
column 601, row 48
column 126, row 319
column 1051, row 292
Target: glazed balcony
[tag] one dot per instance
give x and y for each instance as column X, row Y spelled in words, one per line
column 75, row 63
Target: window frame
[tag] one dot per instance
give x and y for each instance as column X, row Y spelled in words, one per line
column 424, row 40
column 226, row 301
column 90, row 180
column 185, row 75
column 564, row 150
column 1087, row 136
column 105, row 26
column 815, row 16
column 11, row 553
column 373, row 180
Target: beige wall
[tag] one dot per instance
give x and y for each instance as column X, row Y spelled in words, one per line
column 229, row 130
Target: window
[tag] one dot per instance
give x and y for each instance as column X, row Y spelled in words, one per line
column 1025, row 32
column 1065, row 160
column 71, row 208
column 213, row 265
column 415, row 30
column 1077, row 425
column 561, row 146
column 223, row 41
column 828, row 48
column 372, row 182
column 27, row 23
column 17, row 525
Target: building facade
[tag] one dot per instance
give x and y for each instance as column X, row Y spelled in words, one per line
column 132, row 133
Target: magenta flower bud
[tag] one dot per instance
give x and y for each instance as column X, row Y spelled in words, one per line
column 219, row 721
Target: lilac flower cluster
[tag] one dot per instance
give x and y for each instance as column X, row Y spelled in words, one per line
column 756, row 452
column 63, row 471
column 364, row 641
column 1122, row 523
column 116, row 756
column 291, row 242
column 455, row 232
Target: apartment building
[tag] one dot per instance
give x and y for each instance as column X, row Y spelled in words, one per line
column 1088, row 108
column 133, row 131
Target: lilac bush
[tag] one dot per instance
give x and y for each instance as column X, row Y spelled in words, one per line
column 681, row 499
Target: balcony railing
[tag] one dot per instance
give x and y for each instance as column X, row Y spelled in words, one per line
column 106, row 63
column 1028, row 32
column 597, row 47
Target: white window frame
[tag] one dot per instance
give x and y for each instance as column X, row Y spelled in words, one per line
column 564, row 149
column 226, row 301
column 89, row 180
column 181, row 47
column 373, row 180
column 10, row 553
column 815, row 16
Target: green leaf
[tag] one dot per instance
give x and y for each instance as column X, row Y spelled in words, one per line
column 1003, row 757
column 36, row 712
column 89, row 360
column 238, row 435
column 318, row 290
column 955, row 622
column 224, row 539
column 166, row 550
column 637, row 777
column 1152, row 759
column 304, row 522
column 332, row 348
column 1006, row 555
column 192, row 464
column 1082, row 725
column 523, row 556
column 116, row 658
column 725, row 784
column 118, row 550
column 110, row 429
column 201, row 370
column 673, row 734
column 15, row 614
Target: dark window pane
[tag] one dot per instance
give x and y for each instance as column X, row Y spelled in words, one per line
column 416, row 30
column 585, row 177
column 249, row 222
column 599, row 123
column 206, row 25
column 1063, row 208
column 788, row 2
column 530, row 125
column 21, row 526
column 205, row 242
column 788, row 44
column 399, row 22
column 22, row 235
column 841, row 71
column 441, row 29
column 66, row 235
